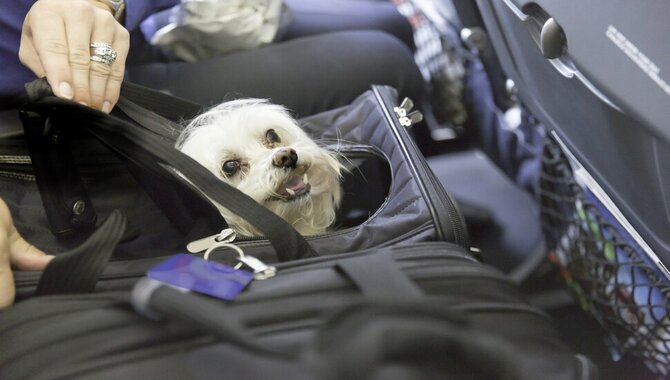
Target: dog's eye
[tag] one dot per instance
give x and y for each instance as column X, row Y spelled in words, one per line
column 231, row 167
column 271, row 136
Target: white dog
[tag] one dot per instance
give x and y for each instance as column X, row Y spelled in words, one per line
column 259, row 148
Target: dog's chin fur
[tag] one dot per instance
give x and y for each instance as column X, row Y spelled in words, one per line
column 236, row 130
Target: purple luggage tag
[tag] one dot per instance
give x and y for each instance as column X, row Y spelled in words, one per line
column 202, row 276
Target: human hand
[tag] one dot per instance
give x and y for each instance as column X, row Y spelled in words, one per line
column 14, row 251
column 55, row 42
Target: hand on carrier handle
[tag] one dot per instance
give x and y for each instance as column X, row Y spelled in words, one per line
column 79, row 46
column 14, row 251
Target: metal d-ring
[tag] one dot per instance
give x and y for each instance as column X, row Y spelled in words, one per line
column 235, row 248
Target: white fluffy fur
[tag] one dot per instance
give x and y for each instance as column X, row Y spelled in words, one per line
column 236, row 130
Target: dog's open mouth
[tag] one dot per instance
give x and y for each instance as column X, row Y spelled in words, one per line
column 294, row 188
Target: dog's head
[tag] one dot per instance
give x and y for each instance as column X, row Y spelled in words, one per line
column 259, row 148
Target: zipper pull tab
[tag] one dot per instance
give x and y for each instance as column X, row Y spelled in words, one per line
column 411, row 119
column 405, row 116
column 226, row 235
column 261, row 270
column 405, row 106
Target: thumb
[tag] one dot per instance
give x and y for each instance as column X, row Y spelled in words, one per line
column 6, row 276
column 18, row 252
column 7, row 291
column 14, row 250
column 25, row 256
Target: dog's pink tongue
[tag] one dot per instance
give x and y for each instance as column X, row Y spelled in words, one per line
column 296, row 184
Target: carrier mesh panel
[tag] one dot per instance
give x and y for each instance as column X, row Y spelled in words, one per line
column 606, row 270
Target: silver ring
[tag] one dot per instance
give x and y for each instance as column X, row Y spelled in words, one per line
column 103, row 52
column 235, row 248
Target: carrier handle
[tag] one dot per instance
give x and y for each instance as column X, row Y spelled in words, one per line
column 155, row 300
column 168, row 106
column 67, row 204
column 153, row 153
column 377, row 276
column 363, row 337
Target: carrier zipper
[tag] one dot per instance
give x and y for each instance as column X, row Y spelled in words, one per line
column 26, row 279
column 226, row 235
column 15, row 159
column 406, row 116
column 439, row 201
column 255, row 242
column 430, row 250
column 16, row 175
column 14, row 162
column 444, row 272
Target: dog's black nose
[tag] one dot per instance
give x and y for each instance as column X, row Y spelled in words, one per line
column 285, row 158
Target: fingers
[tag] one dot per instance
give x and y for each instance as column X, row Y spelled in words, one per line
column 100, row 72
column 21, row 254
column 29, row 58
column 14, row 250
column 7, row 290
column 25, row 256
column 18, row 252
column 55, row 43
column 121, row 45
column 49, row 39
column 6, row 277
column 78, row 26
column 105, row 80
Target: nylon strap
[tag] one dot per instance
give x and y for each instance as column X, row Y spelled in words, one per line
column 78, row 270
column 168, row 106
column 378, row 275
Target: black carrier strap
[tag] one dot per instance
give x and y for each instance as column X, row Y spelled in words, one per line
column 154, row 110
column 365, row 337
column 375, row 274
column 168, row 106
column 152, row 121
column 378, row 275
column 157, row 301
column 77, row 271
column 67, row 204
